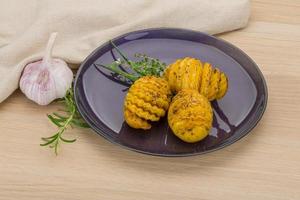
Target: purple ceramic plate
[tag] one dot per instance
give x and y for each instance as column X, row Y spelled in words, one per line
column 100, row 99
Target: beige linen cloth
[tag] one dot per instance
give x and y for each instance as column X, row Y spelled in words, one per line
column 83, row 25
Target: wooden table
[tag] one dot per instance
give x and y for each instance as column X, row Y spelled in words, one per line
column 264, row 165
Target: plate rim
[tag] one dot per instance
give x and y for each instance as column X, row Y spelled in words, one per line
column 223, row 145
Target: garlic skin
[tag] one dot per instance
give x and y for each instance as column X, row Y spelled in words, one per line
column 48, row 79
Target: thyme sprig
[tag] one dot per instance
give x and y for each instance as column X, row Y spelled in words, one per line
column 70, row 118
column 133, row 70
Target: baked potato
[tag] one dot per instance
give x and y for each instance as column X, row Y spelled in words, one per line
column 190, row 115
column 147, row 100
column 191, row 73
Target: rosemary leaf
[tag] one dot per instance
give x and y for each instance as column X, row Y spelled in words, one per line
column 50, row 141
column 119, row 51
column 54, row 120
column 59, row 116
column 66, row 140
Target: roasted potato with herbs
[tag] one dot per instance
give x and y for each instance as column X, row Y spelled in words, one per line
column 191, row 73
column 147, row 100
column 190, row 116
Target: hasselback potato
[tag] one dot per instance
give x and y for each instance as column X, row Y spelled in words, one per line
column 191, row 73
column 190, row 115
column 147, row 100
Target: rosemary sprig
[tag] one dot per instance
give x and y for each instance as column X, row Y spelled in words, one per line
column 144, row 66
column 69, row 119
column 114, row 67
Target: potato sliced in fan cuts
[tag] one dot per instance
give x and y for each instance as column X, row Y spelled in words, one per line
column 147, row 100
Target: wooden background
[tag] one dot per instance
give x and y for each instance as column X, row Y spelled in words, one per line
column 264, row 165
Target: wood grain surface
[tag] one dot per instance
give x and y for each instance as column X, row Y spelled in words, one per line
column 264, row 165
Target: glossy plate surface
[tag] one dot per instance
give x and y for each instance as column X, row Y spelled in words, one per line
column 100, row 99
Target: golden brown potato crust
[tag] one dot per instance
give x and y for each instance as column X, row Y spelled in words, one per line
column 147, row 100
column 190, row 116
column 191, row 73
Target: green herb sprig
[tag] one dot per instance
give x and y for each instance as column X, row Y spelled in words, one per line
column 70, row 118
column 144, row 66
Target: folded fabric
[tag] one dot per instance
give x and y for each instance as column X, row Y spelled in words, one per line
column 83, row 25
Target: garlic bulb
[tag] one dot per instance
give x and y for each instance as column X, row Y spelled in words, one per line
column 48, row 79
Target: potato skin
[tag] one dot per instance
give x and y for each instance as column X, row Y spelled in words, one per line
column 214, row 84
column 190, row 116
column 147, row 100
column 206, row 76
column 184, row 74
column 191, row 73
column 134, row 121
column 223, row 86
